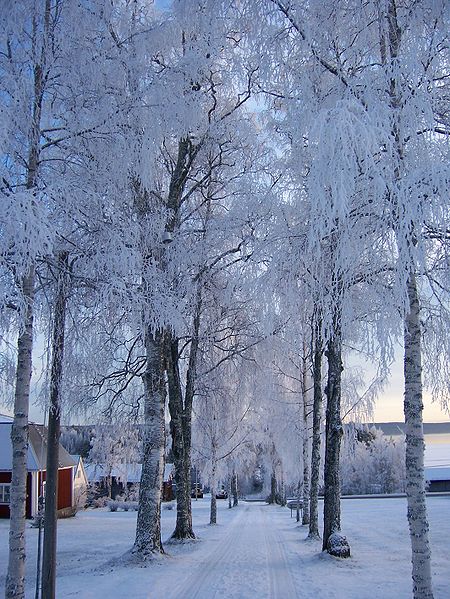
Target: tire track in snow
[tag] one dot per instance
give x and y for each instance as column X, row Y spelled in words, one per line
column 248, row 561
column 202, row 582
column 281, row 582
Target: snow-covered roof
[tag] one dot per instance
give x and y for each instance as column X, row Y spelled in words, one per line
column 5, row 419
column 437, row 473
column 6, row 450
column 37, row 449
column 124, row 472
column 437, row 454
column 129, row 472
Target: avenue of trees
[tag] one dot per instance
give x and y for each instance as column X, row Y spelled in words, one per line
column 206, row 207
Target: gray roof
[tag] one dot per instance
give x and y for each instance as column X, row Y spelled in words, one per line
column 37, row 448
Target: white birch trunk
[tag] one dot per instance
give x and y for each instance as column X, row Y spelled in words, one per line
column 15, row 578
column 148, row 527
column 213, row 510
column 415, row 447
column 390, row 38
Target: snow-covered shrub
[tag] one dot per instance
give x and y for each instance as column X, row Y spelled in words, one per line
column 100, row 502
column 372, row 463
column 126, row 506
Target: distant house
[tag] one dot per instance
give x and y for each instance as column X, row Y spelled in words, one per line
column 438, row 478
column 80, row 482
column 36, row 466
column 124, row 476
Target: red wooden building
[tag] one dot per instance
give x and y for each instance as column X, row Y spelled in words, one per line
column 36, row 465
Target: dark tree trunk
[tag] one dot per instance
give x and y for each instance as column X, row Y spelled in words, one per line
column 181, row 422
column 305, row 442
column 180, row 429
column 53, row 434
column 299, row 501
column 235, row 490
column 273, row 488
column 108, row 481
column 332, row 495
column 213, row 510
column 315, row 452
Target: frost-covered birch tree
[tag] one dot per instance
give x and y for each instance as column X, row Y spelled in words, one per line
column 397, row 92
column 21, row 139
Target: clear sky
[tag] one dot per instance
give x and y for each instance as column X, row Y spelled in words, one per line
column 389, row 406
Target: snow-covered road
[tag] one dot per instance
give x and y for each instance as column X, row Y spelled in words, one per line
column 249, row 560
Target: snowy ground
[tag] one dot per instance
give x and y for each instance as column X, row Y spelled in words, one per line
column 255, row 552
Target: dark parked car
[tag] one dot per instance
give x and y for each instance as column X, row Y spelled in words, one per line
column 222, row 494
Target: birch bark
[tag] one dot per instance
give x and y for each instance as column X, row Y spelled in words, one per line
column 148, row 527
column 15, row 578
column 415, row 448
column 390, row 38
